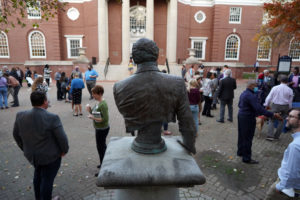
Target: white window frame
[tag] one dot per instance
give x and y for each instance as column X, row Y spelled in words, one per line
column 270, row 50
column 239, row 47
column 203, row 14
column 35, row 17
column 7, row 46
column 72, row 37
column 240, row 18
column 199, row 39
column 30, row 46
column 294, row 60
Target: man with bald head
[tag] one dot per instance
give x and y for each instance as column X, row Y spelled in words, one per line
column 226, row 94
column 249, row 108
column 149, row 98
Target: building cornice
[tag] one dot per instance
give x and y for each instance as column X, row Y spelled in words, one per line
column 211, row 3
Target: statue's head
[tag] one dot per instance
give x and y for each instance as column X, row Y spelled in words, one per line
column 144, row 50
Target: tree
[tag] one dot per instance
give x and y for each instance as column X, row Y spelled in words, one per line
column 283, row 21
column 14, row 12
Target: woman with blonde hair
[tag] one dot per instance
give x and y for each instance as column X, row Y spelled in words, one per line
column 194, row 99
column 40, row 85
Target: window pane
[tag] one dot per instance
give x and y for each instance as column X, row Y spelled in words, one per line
column 3, row 45
column 34, row 11
column 74, row 45
column 295, row 50
column 138, row 20
column 232, row 46
column 198, row 45
column 235, row 14
column 264, row 49
column 37, row 45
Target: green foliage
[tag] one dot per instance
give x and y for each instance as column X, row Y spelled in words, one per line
column 14, row 12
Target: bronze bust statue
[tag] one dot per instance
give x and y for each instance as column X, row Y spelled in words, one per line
column 149, row 97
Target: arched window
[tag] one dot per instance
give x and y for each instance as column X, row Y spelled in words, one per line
column 4, row 51
column 232, row 47
column 294, row 51
column 37, row 45
column 264, row 49
column 138, row 20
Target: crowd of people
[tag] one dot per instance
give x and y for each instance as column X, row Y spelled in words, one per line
column 261, row 97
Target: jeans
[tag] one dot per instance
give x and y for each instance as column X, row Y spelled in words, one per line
column 90, row 85
column 222, row 109
column 101, row 135
column 3, row 96
column 195, row 112
column 43, row 179
column 16, row 92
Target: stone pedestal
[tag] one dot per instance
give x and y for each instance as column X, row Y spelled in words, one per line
column 147, row 177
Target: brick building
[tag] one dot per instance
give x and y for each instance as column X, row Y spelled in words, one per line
column 221, row 31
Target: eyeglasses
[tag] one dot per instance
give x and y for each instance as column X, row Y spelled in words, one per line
column 291, row 116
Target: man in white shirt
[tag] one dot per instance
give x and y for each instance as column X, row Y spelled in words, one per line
column 288, row 184
column 280, row 100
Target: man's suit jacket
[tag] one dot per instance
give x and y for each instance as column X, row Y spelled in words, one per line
column 40, row 135
column 226, row 89
column 150, row 96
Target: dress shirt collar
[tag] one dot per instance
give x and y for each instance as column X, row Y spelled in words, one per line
column 296, row 135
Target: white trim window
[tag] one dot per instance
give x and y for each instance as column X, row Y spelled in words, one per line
column 74, row 42
column 235, row 15
column 37, row 44
column 264, row 49
column 294, row 51
column 200, row 16
column 34, row 11
column 4, row 50
column 232, row 47
column 199, row 44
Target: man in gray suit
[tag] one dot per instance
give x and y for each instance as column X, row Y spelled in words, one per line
column 149, row 98
column 40, row 135
column 226, row 95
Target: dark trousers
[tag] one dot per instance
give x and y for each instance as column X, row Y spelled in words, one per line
column 43, row 180
column 58, row 92
column 207, row 105
column 15, row 95
column 246, row 129
column 222, row 109
column 101, row 135
column 90, row 85
column 48, row 81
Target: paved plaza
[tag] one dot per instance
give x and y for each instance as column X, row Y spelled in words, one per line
column 227, row 177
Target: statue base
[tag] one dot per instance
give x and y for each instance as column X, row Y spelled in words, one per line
column 147, row 193
column 141, row 176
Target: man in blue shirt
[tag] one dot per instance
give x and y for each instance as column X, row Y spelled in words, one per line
column 249, row 108
column 90, row 79
column 288, row 184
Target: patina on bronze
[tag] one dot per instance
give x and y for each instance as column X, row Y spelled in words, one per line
column 149, row 97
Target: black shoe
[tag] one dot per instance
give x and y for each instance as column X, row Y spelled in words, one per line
column 270, row 139
column 220, row 121
column 2, row 108
column 96, row 175
column 98, row 166
column 251, row 161
column 209, row 115
column 230, row 120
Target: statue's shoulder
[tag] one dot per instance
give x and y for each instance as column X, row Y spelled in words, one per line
column 173, row 78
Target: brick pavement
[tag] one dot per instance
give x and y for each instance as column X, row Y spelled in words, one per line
column 227, row 177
